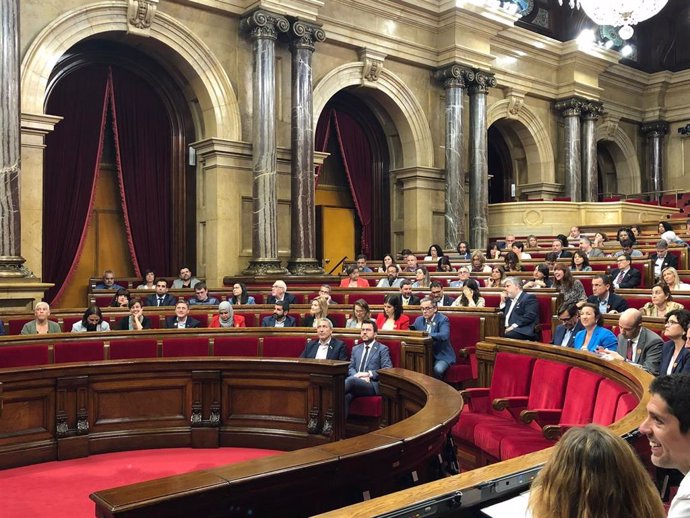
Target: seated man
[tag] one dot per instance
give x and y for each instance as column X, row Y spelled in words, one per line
column 507, row 243
column 661, row 259
column 279, row 294
column 436, row 293
column 637, row 344
column 325, row 347
column 464, row 251
column 570, row 325
column 625, row 276
column 604, row 297
column 162, row 297
column 325, row 293
column 108, row 282
column 463, row 277
column 391, row 280
column 367, row 358
column 588, row 249
column 627, row 248
column 181, row 320
column 521, row 311
column 406, row 295
column 280, row 317
column 411, row 263
column 574, row 233
column 201, row 297
column 437, row 326
column 557, row 248
column 362, row 264
column 186, row 280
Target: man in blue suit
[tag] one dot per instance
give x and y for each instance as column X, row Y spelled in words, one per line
column 437, row 326
column 521, row 311
column 569, row 316
column 280, row 317
column 367, row 358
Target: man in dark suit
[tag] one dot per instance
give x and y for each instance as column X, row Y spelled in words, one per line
column 325, row 347
column 521, row 311
column 570, row 325
column 279, row 294
column 661, row 259
column 367, row 358
column 437, row 326
column 2, row 328
column 557, row 248
column 181, row 320
column 406, row 295
column 162, row 297
column 625, row 276
column 280, row 317
column 603, row 296
column 637, row 344
column 436, row 289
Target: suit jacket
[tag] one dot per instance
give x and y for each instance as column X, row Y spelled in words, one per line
column 177, row 283
column 446, row 301
column 270, row 321
column 565, row 253
column 168, row 300
column 669, row 260
column 2, row 328
column 440, row 336
column 596, row 252
column 289, row 297
column 525, row 315
column 649, row 346
column 631, row 279
column 379, row 357
column 385, row 283
column 615, row 302
column 402, row 323
column 336, row 350
column 414, row 300
column 170, row 322
column 682, row 363
column 560, row 333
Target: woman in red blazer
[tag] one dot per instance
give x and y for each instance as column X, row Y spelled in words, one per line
column 226, row 317
column 392, row 317
column 353, row 280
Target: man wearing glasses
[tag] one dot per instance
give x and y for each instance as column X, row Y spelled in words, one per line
column 437, row 326
column 624, row 276
column 569, row 317
column 463, row 277
column 279, row 294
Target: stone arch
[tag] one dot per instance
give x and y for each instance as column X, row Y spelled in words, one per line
column 531, row 132
column 416, row 145
column 624, row 156
column 218, row 112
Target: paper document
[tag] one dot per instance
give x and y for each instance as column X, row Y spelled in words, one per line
column 511, row 508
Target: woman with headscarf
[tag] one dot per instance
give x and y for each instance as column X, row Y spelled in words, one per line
column 226, row 317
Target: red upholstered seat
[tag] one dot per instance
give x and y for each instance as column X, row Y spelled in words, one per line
column 259, row 298
column 607, row 402
column 68, row 322
column 236, row 346
column 249, row 319
column 465, row 369
column 133, row 348
column 82, row 351
column 103, row 301
column 372, row 297
column 338, row 319
column 14, row 326
column 367, row 406
column 201, row 317
column 626, row 404
column 24, row 355
column 284, row 346
column 187, row 346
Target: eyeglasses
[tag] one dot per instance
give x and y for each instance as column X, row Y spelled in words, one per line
column 427, row 308
column 671, row 322
column 565, row 319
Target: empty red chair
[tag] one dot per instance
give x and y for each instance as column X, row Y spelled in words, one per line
column 236, row 346
column 192, row 346
column 626, row 404
column 133, row 348
column 24, row 356
column 284, row 346
column 82, row 351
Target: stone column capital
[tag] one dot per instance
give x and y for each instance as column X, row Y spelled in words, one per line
column 304, row 35
column 571, row 107
column 655, row 129
column 264, row 24
column 455, row 75
column 592, row 110
column 481, row 82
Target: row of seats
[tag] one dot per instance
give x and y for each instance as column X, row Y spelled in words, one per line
column 530, row 403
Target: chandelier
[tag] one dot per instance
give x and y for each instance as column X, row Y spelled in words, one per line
column 619, row 13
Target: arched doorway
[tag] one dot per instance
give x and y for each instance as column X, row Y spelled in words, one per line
column 607, row 182
column 500, row 167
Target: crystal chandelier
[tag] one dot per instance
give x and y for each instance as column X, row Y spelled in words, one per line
column 619, row 13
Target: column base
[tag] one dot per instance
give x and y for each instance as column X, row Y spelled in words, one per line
column 304, row 267
column 265, row 267
column 12, row 267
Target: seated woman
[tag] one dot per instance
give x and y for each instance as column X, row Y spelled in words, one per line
column 594, row 335
column 594, row 473
column 493, row 252
column 353, row 280
column 319, row 309
column 662, row 302
column 360, row 313
column 512, row 262
column 136, row 321
column 470, row 297
column 540, row 277
column 92, row 320
column 478, row 262
column 392, row 317
column 41, row 325
column 240, row 295
column 495, row 280
column 580, row 262
column 532, row 241
column 675, row 353
column 226, row 317
column 421, row 277
column 434, row 254
column 387, row 260
column 635, row 229
column 665, row 226
column 149, row 281
column 120, row 299
column 672, row 280
column 572, row 291
column 599, row 241
column 444, row 264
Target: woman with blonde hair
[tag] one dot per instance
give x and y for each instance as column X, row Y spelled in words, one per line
column 318, row 310
column 592, row 473
column 672, row 279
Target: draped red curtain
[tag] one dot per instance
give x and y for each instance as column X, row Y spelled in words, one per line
column 323, row 132
column 71, row 163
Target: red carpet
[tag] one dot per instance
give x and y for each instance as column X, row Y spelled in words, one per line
column 63, row 488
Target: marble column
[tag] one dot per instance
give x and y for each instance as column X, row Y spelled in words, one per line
column 454, row 80
column 571, row 110
column 655, row 131
column 591, row 111
column 11, row 262
column 303, row 237
column 479, row 165
column 263, row 27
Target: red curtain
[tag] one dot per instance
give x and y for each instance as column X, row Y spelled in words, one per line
column 71, row 162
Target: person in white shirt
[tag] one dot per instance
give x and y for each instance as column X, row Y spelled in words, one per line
column 519, row 249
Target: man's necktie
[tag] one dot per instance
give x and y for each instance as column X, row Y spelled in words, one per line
column 160, row 301
column 364, row 359
column 629, row 352
column 620, row 276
